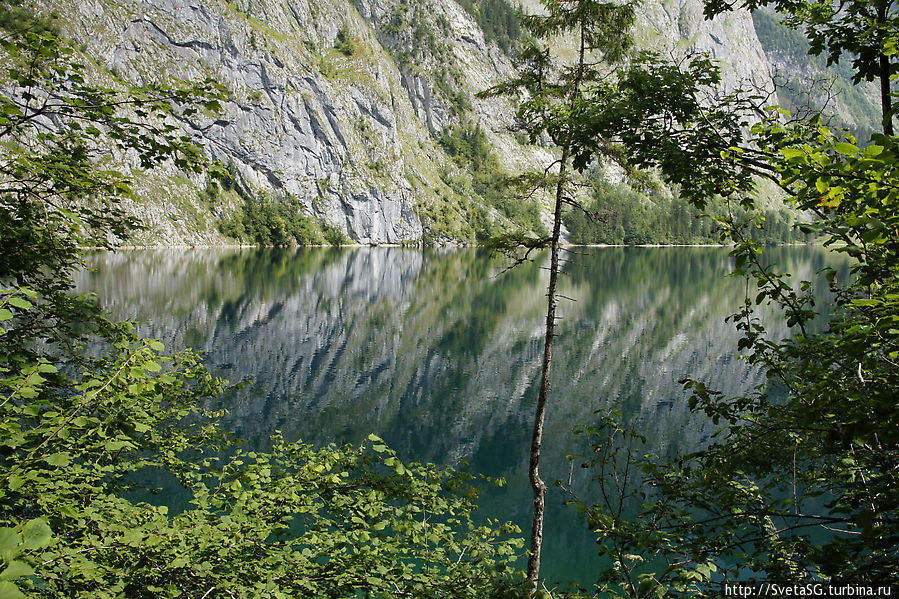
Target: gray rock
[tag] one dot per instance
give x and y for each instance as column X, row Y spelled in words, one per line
column 352, row 137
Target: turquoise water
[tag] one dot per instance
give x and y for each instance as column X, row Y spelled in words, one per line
column 438, row 351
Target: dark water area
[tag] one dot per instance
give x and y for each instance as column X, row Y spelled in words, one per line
column 438, row 351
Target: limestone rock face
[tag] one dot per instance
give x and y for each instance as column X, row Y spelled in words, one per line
column 338, row 103
column 678, row 27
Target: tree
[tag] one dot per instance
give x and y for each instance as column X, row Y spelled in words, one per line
column 83, row 434
column 54, row 198
column 552, row 100
column 860, row 31
column 801, row 482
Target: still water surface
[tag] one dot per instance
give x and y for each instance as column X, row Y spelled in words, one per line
column 438, row 351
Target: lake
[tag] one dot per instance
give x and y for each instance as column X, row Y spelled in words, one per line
column 438, row 351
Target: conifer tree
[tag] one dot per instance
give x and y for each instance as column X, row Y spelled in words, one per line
column 553, row 96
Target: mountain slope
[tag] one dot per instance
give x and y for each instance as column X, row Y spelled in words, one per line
column 807, row 82
column 346, row 108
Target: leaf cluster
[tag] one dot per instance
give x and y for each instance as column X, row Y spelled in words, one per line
column 553, row 93
column 290, row 521
column 55, row 197
column 858, row 31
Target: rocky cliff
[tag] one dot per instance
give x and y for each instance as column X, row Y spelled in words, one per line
column 340, row 104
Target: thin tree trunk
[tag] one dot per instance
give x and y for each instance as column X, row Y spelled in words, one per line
column 886, row 100
column 537, row 484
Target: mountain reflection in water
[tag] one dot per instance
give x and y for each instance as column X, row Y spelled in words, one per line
column 438, row 351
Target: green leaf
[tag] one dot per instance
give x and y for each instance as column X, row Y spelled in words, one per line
column 872, row 151
column 5, row 314
column 116, row 445
column 152, row 366
column 16, row 569
column 9, row 544
column 36, row 534
column 10, row 591
column 61, row 459
column 866, row 302
column 18, row 302
column 791, row 153
column 845, row 149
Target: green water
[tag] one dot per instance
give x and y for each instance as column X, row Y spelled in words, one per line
column 438, row 351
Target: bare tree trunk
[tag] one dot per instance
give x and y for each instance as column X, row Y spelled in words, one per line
column 537, row 484
column 886, row 100
column 885, row 97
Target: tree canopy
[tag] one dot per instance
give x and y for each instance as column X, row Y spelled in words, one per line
column 800, row 484
column 552, row 95
column 861, row 32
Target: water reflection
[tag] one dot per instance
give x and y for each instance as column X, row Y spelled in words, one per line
column 439, row 353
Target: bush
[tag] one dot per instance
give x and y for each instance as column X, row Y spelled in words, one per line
column 470, row 149
column 344, row 43
column 264, row 221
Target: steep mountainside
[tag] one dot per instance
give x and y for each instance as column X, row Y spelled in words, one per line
column 351, row 112
column 806, row 82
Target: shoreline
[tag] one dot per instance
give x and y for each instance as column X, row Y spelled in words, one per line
column 419, row 246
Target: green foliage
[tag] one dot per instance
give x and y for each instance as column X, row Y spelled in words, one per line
column 619, row 215
column 449, row 81
column 551, row 95
column 266, row 221
column 834, row 81
column 801, row 482
column 655, row 111
column 210, row 195
column 499, row 20
column 53, row 127
column 344, row 42
column 18, row 20
column 860, row 32
column 415, row 42
column 415, row 35
column 292, row 521
column 857, row 31
column 469, row 148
